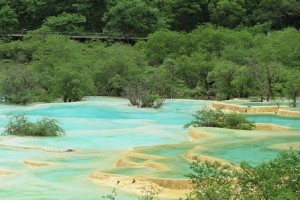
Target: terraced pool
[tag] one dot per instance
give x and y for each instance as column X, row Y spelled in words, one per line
column 102, row 130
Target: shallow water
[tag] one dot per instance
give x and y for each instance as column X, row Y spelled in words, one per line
column 102, row 130
column 249, row 103
column 293, row 122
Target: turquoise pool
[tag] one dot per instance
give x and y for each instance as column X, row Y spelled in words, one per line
column 102, row 130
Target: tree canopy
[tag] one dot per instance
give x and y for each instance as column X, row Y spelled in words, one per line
column 195, row 49
column 145, row 16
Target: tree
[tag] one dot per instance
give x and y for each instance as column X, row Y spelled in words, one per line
column 221, row 78
column 292, row 86
column 64, row 71
column 65, row 23
column 281, row 13
column 266, row 75
column 211, row 39
column 228, row 13
column 276, row 179
column 8, row 20
column 72, row 83
column 19, row 84
column 131, row 17
column 187, row 14
column 164, row 44
column 195, row 69
column 149, row 89
column 242, row 82
column 121, row 65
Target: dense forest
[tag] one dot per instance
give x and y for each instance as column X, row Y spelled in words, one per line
column 195, row 49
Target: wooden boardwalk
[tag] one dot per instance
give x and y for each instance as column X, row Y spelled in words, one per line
column 85, row 36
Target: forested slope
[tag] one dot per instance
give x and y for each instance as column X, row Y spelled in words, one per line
column 195, row 49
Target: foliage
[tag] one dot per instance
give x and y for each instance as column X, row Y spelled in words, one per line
column 19, row 125
column 208, row 117
column 228, row 13
column 292, row 88
column 8, row 20
column 140, row 97
column 210, row 60
column 164, row 44
column 131, row 17
column 148, row 15
column 71, row 84
column 148, row 194
column 276, row 179
column 111, row 196
column 65, row 23
column 18, row 84
column 221, row 77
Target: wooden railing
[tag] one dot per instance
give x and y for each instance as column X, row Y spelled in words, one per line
column 85, row 35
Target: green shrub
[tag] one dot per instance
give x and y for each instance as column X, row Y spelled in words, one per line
column 208, row 117
column 276, row 179
column 19, row 125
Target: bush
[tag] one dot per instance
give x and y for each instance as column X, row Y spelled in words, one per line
column 276, row 179
column 19, row 125
column 208, row 117
column 141, row 97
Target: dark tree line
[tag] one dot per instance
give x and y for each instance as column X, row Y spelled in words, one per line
column 145, row 16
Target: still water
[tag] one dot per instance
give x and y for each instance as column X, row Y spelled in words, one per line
column 102, row 129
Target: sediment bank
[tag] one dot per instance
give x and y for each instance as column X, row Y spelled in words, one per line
column 38, row 149
column 269, row 127
column 5, row 172
column 246, row 109
column 167, row 188
column 256, row 109
column 36, row 164
column 288, row 113
column 285, row 146
column 126, row 163
column 195, row 134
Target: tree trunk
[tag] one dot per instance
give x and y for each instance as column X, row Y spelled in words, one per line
column 294, row 102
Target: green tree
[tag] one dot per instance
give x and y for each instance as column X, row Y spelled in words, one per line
column 64, row 71
column 281, row 13
column 211, row 39
column 19, row 84
column 72, row 83
column 65, row 23
column 121, row 65
column 243, row 83
column 187, row 14
column 149, row 89
column 292, row 86
column 195, row 69
column 228, row 13
column 266, row 76
column 130, row 17
column 8, row 20
column 221, row 78
column 164, row 44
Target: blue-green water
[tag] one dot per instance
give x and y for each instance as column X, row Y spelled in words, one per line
column 102, row 130
column 293, row 122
